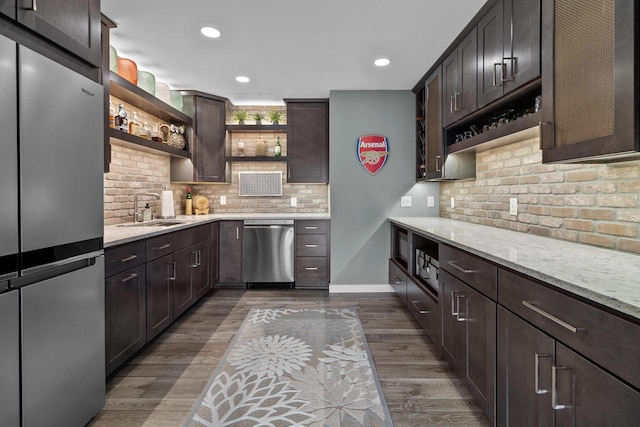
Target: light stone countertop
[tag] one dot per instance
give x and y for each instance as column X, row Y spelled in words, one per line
column 125, row 233
column 605, row 276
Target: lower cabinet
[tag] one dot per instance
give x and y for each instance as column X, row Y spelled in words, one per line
column 192, row 276
column 160, row 276
column 398, row 280
column 424, row 307
column 230, row 254
column 312, row 254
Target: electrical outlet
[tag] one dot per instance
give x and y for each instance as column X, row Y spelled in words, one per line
column 453, row 202
column 223, row 200
column 405, row 201
column 513, row 206
column 431, row 201
column 294, row 202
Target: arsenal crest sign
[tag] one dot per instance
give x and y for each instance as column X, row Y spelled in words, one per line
column 372, row 152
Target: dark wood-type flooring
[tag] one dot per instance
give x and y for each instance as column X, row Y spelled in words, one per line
column 160, row 385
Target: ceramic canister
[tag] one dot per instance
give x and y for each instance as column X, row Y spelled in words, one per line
column 113, row 59
column 147, row 82
column 128, row 70
column 163, row 92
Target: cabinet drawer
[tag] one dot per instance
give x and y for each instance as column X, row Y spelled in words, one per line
column 424, row 308
column 311, row 269
column 311, row 227
column 123, row 257
column 159, row 246
column 605, row 338
column 398, row 280
column 191, row 236
column 474, row 271
column 311, row 245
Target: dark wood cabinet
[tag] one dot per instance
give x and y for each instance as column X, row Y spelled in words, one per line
column 8, row 8
column 208, row 142
column 398, row 280
column 525, row 356
column 469, row 338
column 508, row 48
column 459, row 72
column 590, row 90
column 71, row 24
column 308, row 140
column 312, row 245
column 160, row 276
column 200, row 276
column 433, row 136
column 192, row 276
column 125, row 316
column 230, row 254
column 213, row 254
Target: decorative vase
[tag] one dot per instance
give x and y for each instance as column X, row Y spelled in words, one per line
column 258, row 122
column 261, row 148
column 163, row 93
column 176, row 100
column 240, row 122
column 128, row 70
column 113, row 59
column 147, row 82
column 275, row 122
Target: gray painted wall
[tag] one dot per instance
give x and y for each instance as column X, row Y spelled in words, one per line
column 360, row 203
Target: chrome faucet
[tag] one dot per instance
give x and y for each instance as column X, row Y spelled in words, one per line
column 136, row 215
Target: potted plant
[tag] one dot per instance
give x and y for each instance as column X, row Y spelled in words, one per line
column 275, row 117
column 258, row 118
column 240, row 116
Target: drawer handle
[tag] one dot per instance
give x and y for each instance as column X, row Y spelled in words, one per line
column 454, row 303
column 310, row 246
column 459, row 318
column 455, row 265
column 129, row 258
column 539, row 356
column 554, row 387
column 159, row 248
column 310, row 227
column 550, row 317
column 311, row 268
column 420, row 310
column 395, row 280
column 131, row 276
column 173, row 264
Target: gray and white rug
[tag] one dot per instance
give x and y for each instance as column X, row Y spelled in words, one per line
column 295, row 367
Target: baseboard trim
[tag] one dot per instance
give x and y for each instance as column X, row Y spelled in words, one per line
column 367, row 289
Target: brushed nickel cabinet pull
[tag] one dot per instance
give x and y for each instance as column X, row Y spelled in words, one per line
column 174, row 271
column 451, row 105
column 511, row 59
column 455, row 265
column 455, row 101
column 34, row 6
column 311, row 268
column 539, row 356
column 129, row 277
column 129, row 258
column 310, row 227
column 159, row 248
column 310, row 246
column 237, row 233
column 551, row 317
column 454, row 302
column 459, row 318
column 420, row 310
column 395, row 280
column 554, row 388
column 495, row 74
column 438, row 161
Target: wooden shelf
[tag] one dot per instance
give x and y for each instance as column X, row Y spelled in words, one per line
column 257, row 128
column 257, row 159
column 124, row 139
column 128, row 92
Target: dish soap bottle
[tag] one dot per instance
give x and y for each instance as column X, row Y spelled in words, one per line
column 278, row 148
column 146, row 213
column 188, row 208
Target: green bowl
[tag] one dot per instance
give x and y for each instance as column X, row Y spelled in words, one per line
column 175, row 100
column 147, row 82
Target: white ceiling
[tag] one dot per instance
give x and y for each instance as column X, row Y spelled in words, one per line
column 289, row 48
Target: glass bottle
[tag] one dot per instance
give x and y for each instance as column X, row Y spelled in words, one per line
column 134, row 125
column 120, row 120
column 112, row 114
column 188, row 207
column 278, row 148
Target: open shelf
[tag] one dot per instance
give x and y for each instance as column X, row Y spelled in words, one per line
column 132, row 94
column 257, row 159
column 257, row 128
column 127, row 140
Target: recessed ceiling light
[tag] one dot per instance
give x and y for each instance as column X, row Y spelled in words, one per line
column 210, row 32
column 382, row 62
column 243, row 79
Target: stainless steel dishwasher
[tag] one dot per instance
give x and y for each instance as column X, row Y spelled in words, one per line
column 268, row 251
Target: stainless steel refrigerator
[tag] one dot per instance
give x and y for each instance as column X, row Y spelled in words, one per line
column 51, row 123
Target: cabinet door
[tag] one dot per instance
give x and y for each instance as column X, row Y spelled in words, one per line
column 398, row 280
column 586, row 395
column 479, row 367
column 200, row 275
column 125, row 312
column 72, row 24
column 521, row 42
column 213, row 255
column 434, row 142
column 186, row 261
column 8, row 8
column 590, row 96
column 525, row 355
column 230, row 249
column 452, row 337
column 308, row 142
column 160, row 276
column 491, row 69
column 465, row 103
column 450, row 87
column 209, row 148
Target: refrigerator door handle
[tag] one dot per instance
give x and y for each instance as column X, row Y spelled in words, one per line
column 64, row 262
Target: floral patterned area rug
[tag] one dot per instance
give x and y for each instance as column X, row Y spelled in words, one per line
column 295, row 367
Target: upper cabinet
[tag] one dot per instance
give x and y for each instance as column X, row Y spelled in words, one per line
column 590, row 67
column 508, row 48
column 208, row 163
column 308, row 140
column 459, row 80
column 71, row 24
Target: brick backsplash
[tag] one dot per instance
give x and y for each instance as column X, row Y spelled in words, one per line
column 132, row 171
column 592, row 204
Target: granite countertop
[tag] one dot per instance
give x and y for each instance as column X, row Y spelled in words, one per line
column 605, row 276
column 125, row 233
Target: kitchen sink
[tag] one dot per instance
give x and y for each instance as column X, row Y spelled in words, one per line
column 157, row 223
